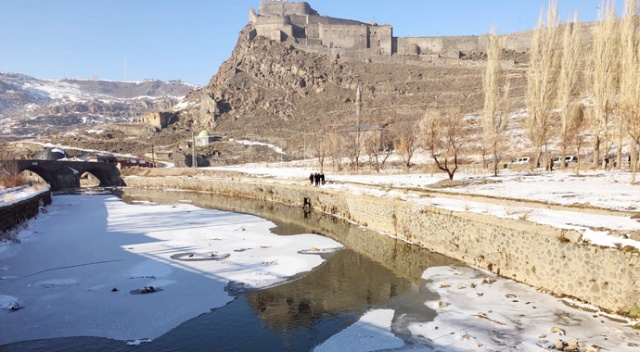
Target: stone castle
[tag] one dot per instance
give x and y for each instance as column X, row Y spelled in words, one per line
column 282, row 20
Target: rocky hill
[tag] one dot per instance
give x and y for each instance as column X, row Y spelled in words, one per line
column 270, row 89
column 32, row 107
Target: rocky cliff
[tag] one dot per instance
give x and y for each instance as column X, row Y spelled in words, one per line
column 267, row 87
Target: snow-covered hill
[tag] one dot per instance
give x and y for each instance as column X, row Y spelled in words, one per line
column 32, row 107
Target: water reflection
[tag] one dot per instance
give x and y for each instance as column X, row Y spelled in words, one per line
column 402, row 259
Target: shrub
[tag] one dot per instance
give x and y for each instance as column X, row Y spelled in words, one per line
column 10, row 176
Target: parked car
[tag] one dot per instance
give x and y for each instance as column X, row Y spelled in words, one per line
column 569, row 159
column 521, row 161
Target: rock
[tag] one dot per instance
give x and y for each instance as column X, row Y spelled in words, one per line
column 572, row 345
column 14, row 306
column 114, row 289
column 148, row 289
column 556, row 330
column 572, row 235
column 559, row 345
column 592, row 348
column 441, row 304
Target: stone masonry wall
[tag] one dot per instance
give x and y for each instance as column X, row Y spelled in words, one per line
column 539, row 255
column 11, row 216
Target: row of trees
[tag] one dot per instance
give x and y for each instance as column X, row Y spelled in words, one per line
column 575, row 91
column 558, row 86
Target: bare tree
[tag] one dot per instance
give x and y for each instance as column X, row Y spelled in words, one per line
column 496, row 96
column 568, row 85
column 321, row 145
column 357, row 142
column 334, row 147
column 377, row 154
column 629, row 84
column 630, row 111
column 406, row 140
column 604, row 77
column 542, row 79
column 442, row 134
column 577, row 130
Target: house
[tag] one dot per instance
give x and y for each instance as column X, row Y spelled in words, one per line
column 157, row 119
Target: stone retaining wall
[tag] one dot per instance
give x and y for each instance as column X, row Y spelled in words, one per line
column 11, row 216
column 542, row 256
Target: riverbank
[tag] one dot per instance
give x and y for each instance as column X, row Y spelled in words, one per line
column 574, row 255
column 19, row 204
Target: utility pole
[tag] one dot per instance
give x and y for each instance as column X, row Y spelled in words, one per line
column 194, row 161
column 358, row 110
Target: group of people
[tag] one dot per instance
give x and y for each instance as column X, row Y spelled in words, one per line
column 316, row 179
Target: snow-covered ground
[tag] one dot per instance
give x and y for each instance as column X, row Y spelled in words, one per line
column 13, row 195
column 606, row 190
column 95, row 266
column 480, row 312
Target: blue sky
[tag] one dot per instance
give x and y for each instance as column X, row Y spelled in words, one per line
column 189, row 39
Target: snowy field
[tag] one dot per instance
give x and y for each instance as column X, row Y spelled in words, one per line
column 609, row 191
column 95, row 266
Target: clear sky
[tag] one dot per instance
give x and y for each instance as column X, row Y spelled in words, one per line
column 189, row 39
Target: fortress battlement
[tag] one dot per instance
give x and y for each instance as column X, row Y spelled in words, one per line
column 282, row 20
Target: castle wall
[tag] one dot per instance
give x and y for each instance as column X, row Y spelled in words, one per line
column 428, row 45
column 279, row 20
column 269, row 8
column 381, row 39
column 274, row 27
column 344, row 36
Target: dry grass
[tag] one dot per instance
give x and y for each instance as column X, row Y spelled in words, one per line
column 11, row 177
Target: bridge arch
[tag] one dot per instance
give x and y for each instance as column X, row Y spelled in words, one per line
column 66, row 174
column 39, row 171
column 102, row 174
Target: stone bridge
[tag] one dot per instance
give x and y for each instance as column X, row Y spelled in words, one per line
column 66, row 174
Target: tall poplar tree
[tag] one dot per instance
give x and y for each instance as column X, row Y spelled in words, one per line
column 496, row 93
column 604, row 68
column 542, row 79
column 568, row 85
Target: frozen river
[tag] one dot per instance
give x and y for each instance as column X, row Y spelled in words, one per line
column 168, row 271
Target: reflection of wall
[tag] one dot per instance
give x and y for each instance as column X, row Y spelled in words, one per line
column 373, row 269
column 518, row 249
column 402, row 258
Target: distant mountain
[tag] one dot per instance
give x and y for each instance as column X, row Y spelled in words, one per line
column 32, row 107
